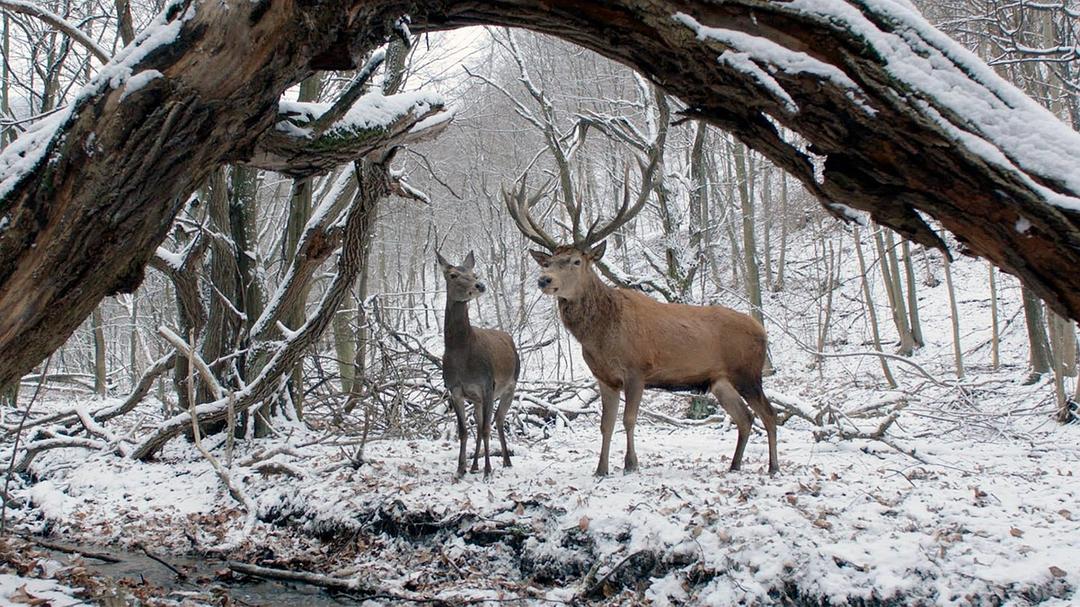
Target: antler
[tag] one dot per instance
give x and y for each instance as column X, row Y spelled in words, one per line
column 626, row 212
column 652, row 145
column 519, row 206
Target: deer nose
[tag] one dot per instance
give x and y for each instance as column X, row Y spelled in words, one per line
column 544, row 282
column 480, row 287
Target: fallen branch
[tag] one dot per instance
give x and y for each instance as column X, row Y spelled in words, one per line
column 66, row 549
column 306, row 577
column 32, row 449
column 147, row 380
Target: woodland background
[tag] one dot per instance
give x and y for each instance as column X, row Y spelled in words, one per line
column 873, row 340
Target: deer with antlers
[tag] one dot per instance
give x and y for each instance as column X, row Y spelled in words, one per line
column 479, row 365
column 632, row 342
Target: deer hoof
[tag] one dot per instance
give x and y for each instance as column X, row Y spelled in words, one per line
column 507, row 464
column 600, row 472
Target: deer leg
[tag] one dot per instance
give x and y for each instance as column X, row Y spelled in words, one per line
column 765, row 411
column 633, row 389
column 733, row 404
column 458, row 401
column 609, row 398
column 478, row 415
column 500, row 420
column 489, row 410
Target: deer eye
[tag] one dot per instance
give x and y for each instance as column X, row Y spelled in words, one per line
column 577, row 262
column 453, row 275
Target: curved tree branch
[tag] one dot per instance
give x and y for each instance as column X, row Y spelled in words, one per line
column 39, row 12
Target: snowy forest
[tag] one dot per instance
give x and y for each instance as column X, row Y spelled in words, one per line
column 238, row 241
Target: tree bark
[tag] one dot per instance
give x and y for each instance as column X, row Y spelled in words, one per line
column 102, row 193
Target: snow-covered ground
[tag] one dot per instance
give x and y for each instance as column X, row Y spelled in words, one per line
column 971, row 498
column 976, row 521
column 17, row 590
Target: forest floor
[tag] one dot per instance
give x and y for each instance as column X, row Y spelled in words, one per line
column 983, row 514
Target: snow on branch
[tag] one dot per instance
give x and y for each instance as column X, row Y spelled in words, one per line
column 35, row 10
column 20, row 159
column 312, row 138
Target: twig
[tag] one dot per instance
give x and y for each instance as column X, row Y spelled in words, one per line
column 180, row 575
column 97, row 556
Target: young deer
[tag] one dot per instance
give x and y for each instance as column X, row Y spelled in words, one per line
column 632, row 342
column 479, row 365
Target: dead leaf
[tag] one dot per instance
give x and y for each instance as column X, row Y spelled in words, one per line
column 1057, row 571
column 792, row 499
column 22, row 597
column 822, row 523
column 583, row 523
column 979, row 493
column 520, row 510
column 1016, row 532
column 1065, row 514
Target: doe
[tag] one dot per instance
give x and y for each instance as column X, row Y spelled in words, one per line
column 479, row 365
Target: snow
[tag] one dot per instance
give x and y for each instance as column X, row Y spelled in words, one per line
column 986, row 114
column 844, row 520
column 371, row 111
column 956, row 81
column 752, row 49
column 138, row 81
column 16, row 590
column 23, row 155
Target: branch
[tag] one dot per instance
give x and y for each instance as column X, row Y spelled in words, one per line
column 34, row 10
column 301, row 145
column 200, row 364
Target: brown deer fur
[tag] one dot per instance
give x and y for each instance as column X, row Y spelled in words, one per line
column 479, row 365
column 632, row 342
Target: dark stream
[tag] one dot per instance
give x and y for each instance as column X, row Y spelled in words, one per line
column 201, row 575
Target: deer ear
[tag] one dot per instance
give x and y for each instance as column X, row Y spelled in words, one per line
column 540, row 256
column 598, row 251
column 442, row 262
column 470, row 261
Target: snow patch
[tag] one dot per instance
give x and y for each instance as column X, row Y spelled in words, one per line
column 138, row 81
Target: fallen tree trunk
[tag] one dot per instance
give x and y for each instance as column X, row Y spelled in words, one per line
column 901, row 120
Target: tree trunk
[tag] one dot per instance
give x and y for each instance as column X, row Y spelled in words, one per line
column 958, row 354
column 97, row 330
column 1039, row 346
column 870, row 310
column 897, row 305
column 995, row 334
column 121, row 162
column 912, row 297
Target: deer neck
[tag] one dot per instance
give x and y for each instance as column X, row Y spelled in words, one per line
column 590, row 316
column 457, row 330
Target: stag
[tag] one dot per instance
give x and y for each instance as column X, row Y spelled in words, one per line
column 479, row 365
column 632, row 342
